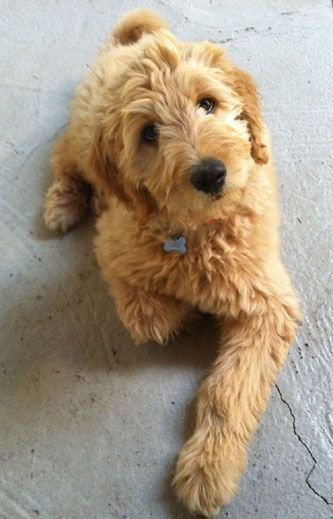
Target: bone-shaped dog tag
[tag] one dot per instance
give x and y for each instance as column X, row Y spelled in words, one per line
column 175, row 245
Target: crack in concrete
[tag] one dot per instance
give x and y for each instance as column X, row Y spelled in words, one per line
column 307, row 448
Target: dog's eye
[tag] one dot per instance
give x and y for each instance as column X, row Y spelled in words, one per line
column 150, row 133
column 207, row 104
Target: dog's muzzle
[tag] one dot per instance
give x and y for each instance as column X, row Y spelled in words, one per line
column 208, row 176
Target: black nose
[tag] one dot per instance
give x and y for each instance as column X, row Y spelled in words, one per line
column 208, row 176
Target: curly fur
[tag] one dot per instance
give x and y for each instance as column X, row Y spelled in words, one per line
column 232, row 267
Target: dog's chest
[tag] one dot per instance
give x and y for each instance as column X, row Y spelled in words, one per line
column 198, row 272
column 199, row 269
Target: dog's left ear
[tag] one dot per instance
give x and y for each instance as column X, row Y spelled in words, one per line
column 244, row 86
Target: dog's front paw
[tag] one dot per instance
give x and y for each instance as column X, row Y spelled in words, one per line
column 152, row 324
column 151, row 317
column 205, row 479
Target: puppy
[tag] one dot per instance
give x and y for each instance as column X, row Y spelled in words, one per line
column 170, row 138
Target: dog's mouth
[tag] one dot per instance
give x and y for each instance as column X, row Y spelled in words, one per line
column 217, row 197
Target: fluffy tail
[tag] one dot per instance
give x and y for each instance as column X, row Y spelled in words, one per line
column 136, row 23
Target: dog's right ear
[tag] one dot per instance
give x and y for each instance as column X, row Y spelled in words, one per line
column 136, row 23
column 108, row 179
column 105, row 170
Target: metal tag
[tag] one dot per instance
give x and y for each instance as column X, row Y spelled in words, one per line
column 175, row 245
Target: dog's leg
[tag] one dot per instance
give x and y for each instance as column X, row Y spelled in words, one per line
column 148, row 316
column 67, row 200
column 230, row 402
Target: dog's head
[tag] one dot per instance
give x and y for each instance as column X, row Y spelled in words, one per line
column 179, row 126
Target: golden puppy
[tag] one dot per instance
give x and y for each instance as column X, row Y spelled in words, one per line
column 170, row 137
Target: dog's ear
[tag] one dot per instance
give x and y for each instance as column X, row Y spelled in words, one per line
column 105, row 169
column 142, row 202
column 136, row 23
column 137, row 199
column 244, row 86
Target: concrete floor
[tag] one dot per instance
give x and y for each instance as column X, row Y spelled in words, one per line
column 89, row 425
